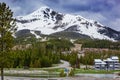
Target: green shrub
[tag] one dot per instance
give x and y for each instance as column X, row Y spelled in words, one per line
column 72, row 72
column 62, row 74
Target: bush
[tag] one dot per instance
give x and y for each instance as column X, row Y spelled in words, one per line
column 62, row 74
column 72, row 72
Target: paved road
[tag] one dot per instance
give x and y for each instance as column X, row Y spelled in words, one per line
column 64, row 64
column 67, row 78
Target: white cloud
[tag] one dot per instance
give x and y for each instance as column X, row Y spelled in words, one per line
column 16, row 10
column 72, row 2
column 115, row 24
column 92, row 15
column 110, row 18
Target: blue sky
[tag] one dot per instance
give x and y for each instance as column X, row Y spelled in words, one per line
column 107, row 12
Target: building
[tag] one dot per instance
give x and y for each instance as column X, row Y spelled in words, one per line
column 116, row 62
column 111, row 63
column 99, row 64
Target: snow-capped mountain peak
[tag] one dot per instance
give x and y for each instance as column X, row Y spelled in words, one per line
column 48, row 21
column 36, row 14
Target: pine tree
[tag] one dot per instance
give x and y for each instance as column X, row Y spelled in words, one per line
column 7, row 27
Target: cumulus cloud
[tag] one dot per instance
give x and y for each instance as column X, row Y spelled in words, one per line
column 92, row 15
column 23, row 7
column 115, row 24
column 105, row 11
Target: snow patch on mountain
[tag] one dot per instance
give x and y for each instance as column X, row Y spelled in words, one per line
column 49, row 21
column 37, row 36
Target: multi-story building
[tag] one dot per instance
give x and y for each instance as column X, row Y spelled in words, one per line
column 107, row 64
column 99, row 64
column 116, row 62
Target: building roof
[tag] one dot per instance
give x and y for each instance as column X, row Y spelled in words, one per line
column 99, row 61
column 114, row 57
column 109, row 59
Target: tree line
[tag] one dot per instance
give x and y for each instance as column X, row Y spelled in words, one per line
column 40, row 54
column 88, row 58
column 95, row 43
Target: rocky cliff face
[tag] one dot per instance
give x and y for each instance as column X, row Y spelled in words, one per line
column 48, row 22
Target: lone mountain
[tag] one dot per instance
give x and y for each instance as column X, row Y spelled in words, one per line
column 49, row 22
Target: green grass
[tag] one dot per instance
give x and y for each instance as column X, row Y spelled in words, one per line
column 34, row 75
column 47, row 68
column 91, row 71
column 50, row 72
column 54, row 72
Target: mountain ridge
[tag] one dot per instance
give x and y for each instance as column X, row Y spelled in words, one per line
column 48, row 21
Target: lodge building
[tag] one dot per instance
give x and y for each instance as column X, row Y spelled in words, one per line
column 111, row 63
